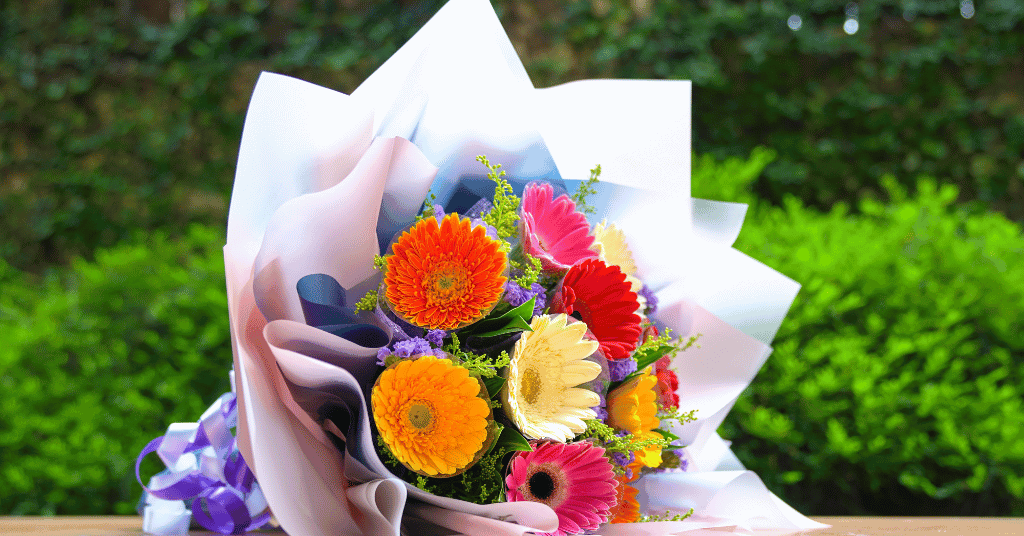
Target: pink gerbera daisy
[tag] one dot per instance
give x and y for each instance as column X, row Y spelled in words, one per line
column 576, row 480
column 553, row 230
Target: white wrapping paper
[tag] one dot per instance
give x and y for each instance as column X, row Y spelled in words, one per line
column 322, row 176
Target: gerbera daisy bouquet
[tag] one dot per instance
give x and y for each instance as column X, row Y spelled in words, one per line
column 524, row 358
column 446, row 317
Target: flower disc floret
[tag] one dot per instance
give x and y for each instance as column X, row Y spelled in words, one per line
column 431, row 416
column 444, row 275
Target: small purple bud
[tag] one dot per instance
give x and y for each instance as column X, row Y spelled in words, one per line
column 436, row 336
column 652, row 300
column 382, row 354
column 621, row 368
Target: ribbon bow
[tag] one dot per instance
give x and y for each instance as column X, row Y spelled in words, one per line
column 205, row 467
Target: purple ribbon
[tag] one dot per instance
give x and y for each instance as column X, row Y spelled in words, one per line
column 205, row 467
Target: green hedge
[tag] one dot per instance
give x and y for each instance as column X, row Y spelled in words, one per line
column 96, row 364
column 122, row 115
column 917, row 89
column 119, row 116
column 897, row 382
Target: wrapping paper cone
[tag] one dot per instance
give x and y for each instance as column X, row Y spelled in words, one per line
column 323, row 181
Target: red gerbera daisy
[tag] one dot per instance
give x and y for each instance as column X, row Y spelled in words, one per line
column 553, row 230
column 601, row 297
column 576, row 480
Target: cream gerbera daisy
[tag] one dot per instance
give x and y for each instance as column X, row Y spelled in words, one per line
column 611, row 247
column 541, row 396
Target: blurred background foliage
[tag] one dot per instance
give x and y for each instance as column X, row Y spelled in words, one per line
column 893, row 189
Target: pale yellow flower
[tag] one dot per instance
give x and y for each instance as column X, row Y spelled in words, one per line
column 611, row 247
column 541, row 396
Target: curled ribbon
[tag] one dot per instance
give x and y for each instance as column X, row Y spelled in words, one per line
column 205, row 467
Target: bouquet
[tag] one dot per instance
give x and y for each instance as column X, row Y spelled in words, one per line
column 460, row 304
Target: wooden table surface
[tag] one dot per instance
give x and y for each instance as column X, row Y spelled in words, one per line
column 841, row 526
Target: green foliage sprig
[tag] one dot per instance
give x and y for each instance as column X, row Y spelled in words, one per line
column 428, row 208
column 368, row 302
column 504, row 212
column 585, row 189
column 530, row 268
column 676, row 414
column 667, row 516
column 483, row 483
column 480, row 365
column 612, row 442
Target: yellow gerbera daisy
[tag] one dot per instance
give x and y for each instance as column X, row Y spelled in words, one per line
column 633, row 407
column 540, row 394
column 611, row 247
column 431, row 415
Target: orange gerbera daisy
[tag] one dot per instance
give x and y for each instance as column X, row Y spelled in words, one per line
column 633, row 407
column 444, row 276
column 627, row 508
column 431, row 415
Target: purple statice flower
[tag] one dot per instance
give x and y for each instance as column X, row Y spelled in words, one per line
column 436, row 337
column 411, row 347
column 623, row 459
column 438, row 213
column 516, row 295
column 382, row 355
column 621, row 368
column 684, row 462
column 602, row 413
column 673, row 460
column 652, row 300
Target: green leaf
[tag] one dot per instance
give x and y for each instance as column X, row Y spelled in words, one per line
column 513, row 321
column 511, row 439
column 524, row 311
column 494, row 385
column 650, row 356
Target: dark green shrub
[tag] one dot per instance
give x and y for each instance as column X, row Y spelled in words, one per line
column 897, row 382
column 917, row 89
column 125, row 114
column 96, row 365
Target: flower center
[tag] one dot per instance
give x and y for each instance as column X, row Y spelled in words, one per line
column 445, row 283
column 420, row 415
column 541, row 485
column 546, row 483
column 580, row 311
column 529, row 385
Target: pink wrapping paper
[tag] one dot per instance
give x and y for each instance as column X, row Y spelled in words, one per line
column 319, row 172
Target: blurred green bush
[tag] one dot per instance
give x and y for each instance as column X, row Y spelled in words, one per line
column 897, row 381
column 99, row 361
column 121, row 114
column 919, row 88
